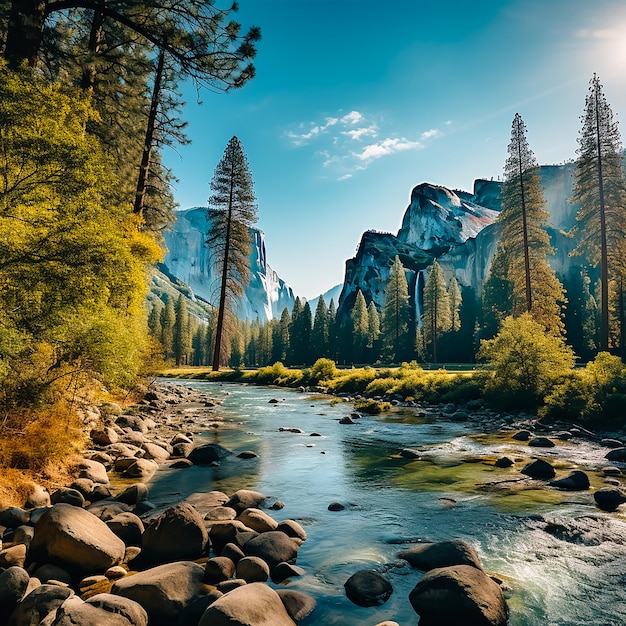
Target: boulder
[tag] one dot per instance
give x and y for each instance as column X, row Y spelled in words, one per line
column 133, row 494
column 227, row 531
column 252, row 569
column 292, row 529
column 255, row 604
column 611, row 443
column 84, row 485
column 504, row 462
column 609, row 499
column 13, row 585
column 164, row 591
column 131, row 610
column 247, row 454
column 522, row 435
column 368, row 588
column 245, row 499
column 177, row 534
column 155, row 452
column 617, row 454
column 541, row 442
column 13, row 516
column 220, row 513
column 427, row 556
column 143, row 469
column 23, row 534
column 539, row 469
column 299, row 605
column 460, row 594
column 107, row 509
column 76, row 611
column 228, row 585
column 37, row 604
column 574, row 481
column 233, row 552
column 336, row 506
column 77, row 538
column 128, row 527
column 94, row 470
column 50, row 572
column 68, row 496
column 284, row 571
column 257, row 520
column 273, row 547
column 208, row 454
column 104, row 437
column 15, row 556
column 218, row 569
column 409, row 453
column 37, row 497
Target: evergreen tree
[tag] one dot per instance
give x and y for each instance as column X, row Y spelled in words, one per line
column 360, row 327
column 396, row 315
column 168, row 319
column 331, row 352
column 198, row 345
column 182, row 332
column 373, row 331
column 497, row 295
column 437, row 309
column 293, row 352
column 319, row 334
column 455, row 299
column 280, row 337
column 535, row 287
column 233, row 212
column 303, row 334
column 154, row 320
column 599, row 188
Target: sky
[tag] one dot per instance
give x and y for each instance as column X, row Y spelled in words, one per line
column 356, row 102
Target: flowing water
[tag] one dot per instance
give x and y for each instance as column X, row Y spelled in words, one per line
column 574, row 575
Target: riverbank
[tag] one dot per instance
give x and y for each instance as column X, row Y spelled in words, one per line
column 182, row 419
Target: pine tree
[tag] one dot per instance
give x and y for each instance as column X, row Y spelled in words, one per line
column 293, row 352
column 360, row 327
column 437, row 310
column 319, row 334
column 233, row 212
column 332, row 352
column 497, row 295
column 455, row 299
column 181, row 345
column 396, row 314
column 280, row 337
column 373, row 331
column 599, row 188
column 535, row 287
column 168, row 319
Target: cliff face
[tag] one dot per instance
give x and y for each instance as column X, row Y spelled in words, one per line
column 188, row 259
column 458, row 228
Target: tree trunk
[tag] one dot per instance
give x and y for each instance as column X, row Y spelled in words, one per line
column 144, row 167
column 24, row 32
column 96, row 37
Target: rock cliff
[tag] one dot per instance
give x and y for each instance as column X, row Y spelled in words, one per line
column 188, row 260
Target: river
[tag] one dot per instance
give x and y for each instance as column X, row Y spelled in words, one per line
column 571, row 576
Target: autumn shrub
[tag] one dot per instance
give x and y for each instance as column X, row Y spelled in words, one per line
column 370, row 406
column 322, row 370
column 276, row 374
column 352, row 380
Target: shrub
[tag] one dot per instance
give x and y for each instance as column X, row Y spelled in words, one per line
column 527, row 362
column 322, row 370
column 371, row 407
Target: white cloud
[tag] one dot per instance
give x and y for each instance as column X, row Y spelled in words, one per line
column 433, row 133
column 345, row 177
column 354, row 117
column 316, row 130
column 387, row 146
column 601, row 33
column 358, row 133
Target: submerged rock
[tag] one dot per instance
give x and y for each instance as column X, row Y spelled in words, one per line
column 368, row 588
column 429, row 556
column 539, row 469
column 574, row 481
column 609, row 499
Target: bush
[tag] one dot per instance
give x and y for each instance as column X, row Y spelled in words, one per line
column 371, row 407
column 276, row 374
column 527, row 362
column 322, row 370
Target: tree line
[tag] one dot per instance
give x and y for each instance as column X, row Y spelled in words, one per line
column 441, row 323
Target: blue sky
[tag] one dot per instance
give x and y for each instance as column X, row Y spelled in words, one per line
column 355, row 102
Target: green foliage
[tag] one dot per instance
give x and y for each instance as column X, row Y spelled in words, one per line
column 276, row 374
column 371, row 407
column 396, row 316
column 527, row 362
column 437, row 310
column 323, row 369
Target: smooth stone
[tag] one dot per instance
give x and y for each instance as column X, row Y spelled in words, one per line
column 617, row 454
column 522, row 435
column 38, row 603
column 336, row 506
column 252, row 569
column 460, row 594
column 504, row 462
column 257, row 520
column 429, row 556
column 245, row 499
column 255, row 604
column 539, row 469
column 291, row 528
column 368, row 588
column 284, row 571
column 93, row 470
column 574, row 481
column 541, row 442
column 130, row 609
column 299, row 605
column 273, row 547
column 609, row 499
column 218, row 569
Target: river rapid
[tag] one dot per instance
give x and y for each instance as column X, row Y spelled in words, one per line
column 564, row 560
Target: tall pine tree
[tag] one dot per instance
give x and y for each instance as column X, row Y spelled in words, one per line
column 600, row 190
column 232, row 212
column 524, row 241
column 437, row 312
